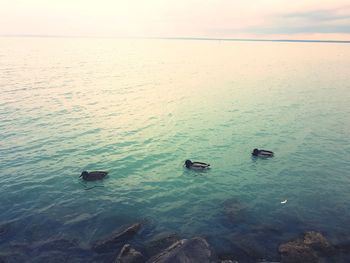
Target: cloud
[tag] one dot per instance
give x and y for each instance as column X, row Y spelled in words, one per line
column 181, row 18
column 334, row 20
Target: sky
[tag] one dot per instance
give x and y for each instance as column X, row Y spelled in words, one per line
column 265, row 19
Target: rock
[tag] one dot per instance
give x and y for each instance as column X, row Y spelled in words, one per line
column 195, row 250
column 309, row 249
column 297, row 252
column 117, row 240
column 160, row 242
column 235, row 211
column 318, row 243
column 226, row 257
column 130, row 255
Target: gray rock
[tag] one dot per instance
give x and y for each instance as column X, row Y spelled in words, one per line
column 309, row 249
column 160, row 242
column 195, row 250
column 297, row 252
column 129, row 255
column 318, row 243
column 117, row 240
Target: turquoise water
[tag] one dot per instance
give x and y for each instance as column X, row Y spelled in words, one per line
column 139, row 109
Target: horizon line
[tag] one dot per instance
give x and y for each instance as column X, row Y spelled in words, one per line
column 186, row 38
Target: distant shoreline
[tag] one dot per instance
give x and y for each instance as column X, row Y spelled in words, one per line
column 188, row 38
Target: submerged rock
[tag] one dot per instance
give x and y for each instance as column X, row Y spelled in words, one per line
column 297, row 252
column 318, row 243
column 309, row 249
column 235, row 210
column 160, row 242
column 129, row 255
column 195, row 250
column 117, row 240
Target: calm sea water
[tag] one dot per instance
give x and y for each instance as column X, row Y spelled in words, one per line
column 139, row 109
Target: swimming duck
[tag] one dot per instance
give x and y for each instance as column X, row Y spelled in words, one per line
column 196, row 165
column 93, row 176
column 262, row 153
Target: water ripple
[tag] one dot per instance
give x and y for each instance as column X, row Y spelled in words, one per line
column 139, row 116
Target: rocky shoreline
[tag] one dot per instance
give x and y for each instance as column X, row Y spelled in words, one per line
column 312, row 248
column 120, row 247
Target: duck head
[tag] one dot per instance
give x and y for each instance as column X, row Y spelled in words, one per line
column 188, row 163
column 84, row 174
column 255, row 152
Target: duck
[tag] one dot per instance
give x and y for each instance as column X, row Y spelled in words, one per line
column 196, row 165
column 262, row 153
column 93, row 176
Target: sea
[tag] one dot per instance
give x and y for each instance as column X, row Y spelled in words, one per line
column 138, row 108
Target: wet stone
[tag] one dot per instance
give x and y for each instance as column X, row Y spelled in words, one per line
column 160, row 242
column 129, row 255
column 318, row 243
column 297, row 252
column 195, row 250
column 309, row 249
column 116, row 240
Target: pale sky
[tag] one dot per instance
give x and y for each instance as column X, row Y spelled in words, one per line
column 269, row 19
